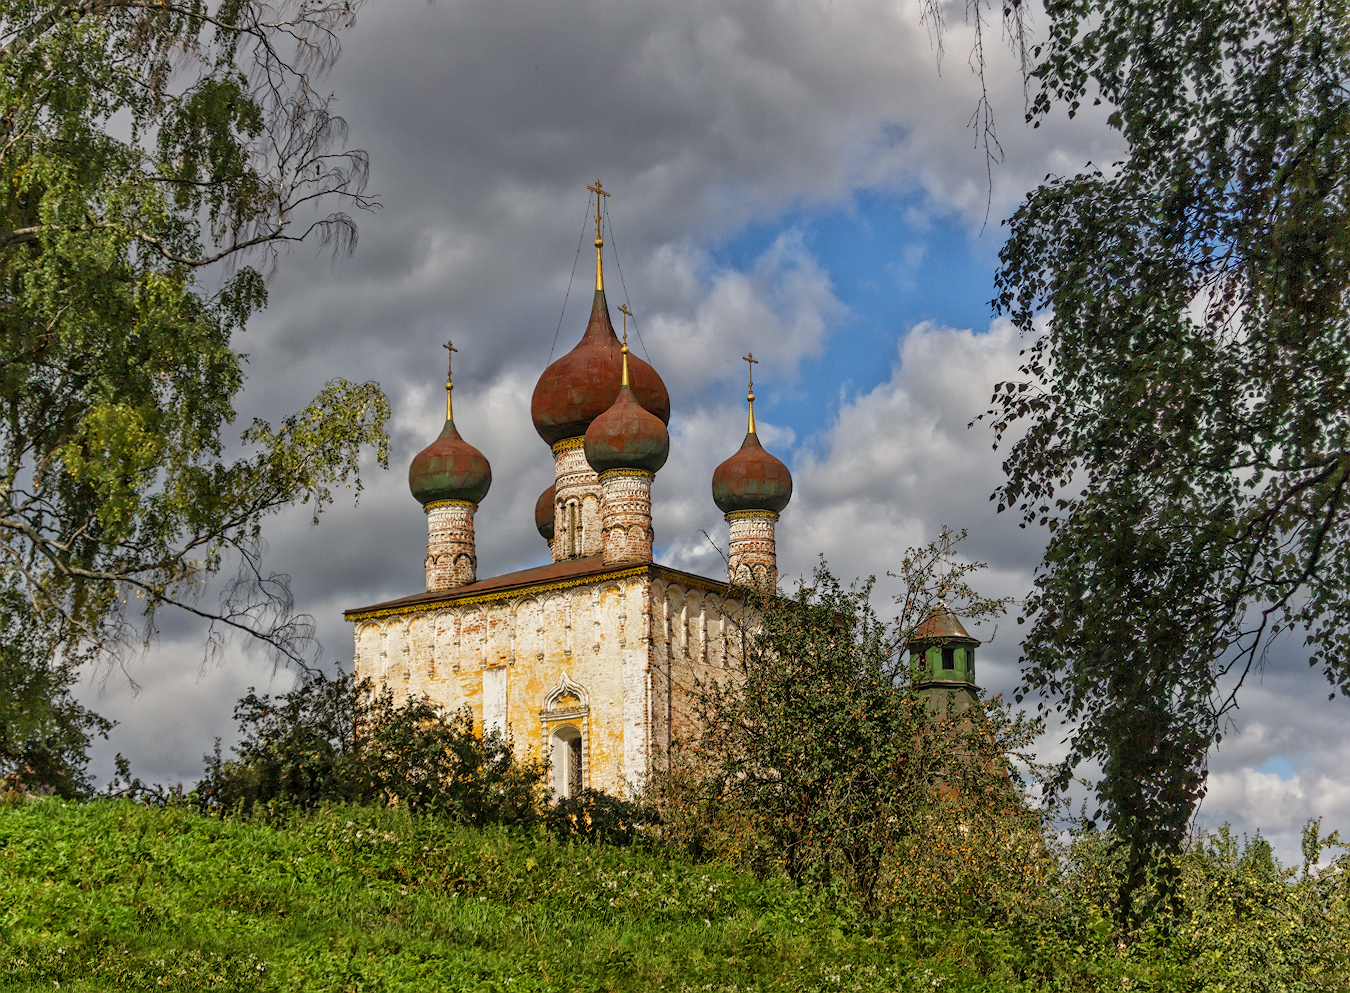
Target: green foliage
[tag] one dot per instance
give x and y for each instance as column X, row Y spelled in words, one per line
column 598, row 817
column 44, row 731
column 145, row 148
column 336, row 740
column 115, row 896
column 1181, row 425
column 817, row 759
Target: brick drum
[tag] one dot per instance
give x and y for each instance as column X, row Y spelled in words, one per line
column 626, row 512
column 451, row 559
column 753, row 557
column 576, row 527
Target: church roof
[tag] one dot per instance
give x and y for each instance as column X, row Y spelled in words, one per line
column 941, row 626
column 555, row 575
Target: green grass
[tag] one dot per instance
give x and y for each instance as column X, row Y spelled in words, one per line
column 111, row 895
column 114, row 896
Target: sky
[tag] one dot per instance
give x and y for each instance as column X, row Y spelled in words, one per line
column 795, row 178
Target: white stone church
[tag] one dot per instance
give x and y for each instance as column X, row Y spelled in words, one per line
column 588, row 661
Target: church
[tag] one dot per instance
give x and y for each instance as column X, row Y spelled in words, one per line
column 590, row 662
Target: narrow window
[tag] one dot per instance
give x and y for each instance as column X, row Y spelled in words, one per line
column 572, row 531
column 565, row 759
column 949, row 658
column 970, row 662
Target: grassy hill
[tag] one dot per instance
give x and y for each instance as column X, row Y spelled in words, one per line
column 114, row 896
column 111, row 895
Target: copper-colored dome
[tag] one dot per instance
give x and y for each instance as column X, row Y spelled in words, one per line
column 449, row 469
column 543, row 512
column 939, row 627
column 752, row 479
column 584, row 383
column 627, row 436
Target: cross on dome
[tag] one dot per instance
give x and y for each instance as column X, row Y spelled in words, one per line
column 599, row 192
column 750, row 359
column 450, row 350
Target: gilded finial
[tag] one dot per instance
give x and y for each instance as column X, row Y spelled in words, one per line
column 599, row 192
column 450, row 350
column 623, row 309
column 750, row 395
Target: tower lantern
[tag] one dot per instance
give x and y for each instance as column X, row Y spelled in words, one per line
column 943, row 656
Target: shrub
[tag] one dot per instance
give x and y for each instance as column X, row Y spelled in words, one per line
column 336, row 740
column 595, row 816
column 818, row 760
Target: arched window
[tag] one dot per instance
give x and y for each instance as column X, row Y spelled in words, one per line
column 565, row 760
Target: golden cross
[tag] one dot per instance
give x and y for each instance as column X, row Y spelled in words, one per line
column 449, row 346
column 623, row 309
column 753, row 362
column 599, row 192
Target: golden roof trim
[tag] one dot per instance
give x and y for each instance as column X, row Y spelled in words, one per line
column 752, row 513
column 449, row 503
column 559, row 584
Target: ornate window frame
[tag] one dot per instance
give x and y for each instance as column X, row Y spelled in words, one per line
column 551, row 716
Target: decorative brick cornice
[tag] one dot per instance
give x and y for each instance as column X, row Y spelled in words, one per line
column 617, row 473
column 449, row 503
column 566, row 443
column 738, row 514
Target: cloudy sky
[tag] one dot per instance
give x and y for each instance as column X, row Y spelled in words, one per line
column 792, row 177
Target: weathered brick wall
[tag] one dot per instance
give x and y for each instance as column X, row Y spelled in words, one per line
column 626, row 515
column 576, row 502
column 752, row 558
column 451, row 559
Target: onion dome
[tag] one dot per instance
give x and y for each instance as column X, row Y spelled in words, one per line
column 627, row 435
column 583, row 384
column 449, row 468
column 543, row 513
column 752, row 479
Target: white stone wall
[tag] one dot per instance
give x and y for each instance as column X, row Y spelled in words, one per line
column 618, row 659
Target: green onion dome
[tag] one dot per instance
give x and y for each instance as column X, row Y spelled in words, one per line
column 543, row 512
column 449, row 469
column 583, row 384
column 627, row 436
column 752, row 479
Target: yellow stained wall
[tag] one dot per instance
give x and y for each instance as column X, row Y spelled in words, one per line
column 619, row 659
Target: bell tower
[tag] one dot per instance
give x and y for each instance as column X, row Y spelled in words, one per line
column 942, row 654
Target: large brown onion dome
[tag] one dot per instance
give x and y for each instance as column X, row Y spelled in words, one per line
column 544, row 514
column 449, row 469
column 584, row 383
column 752, row 479
column 627, row 436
